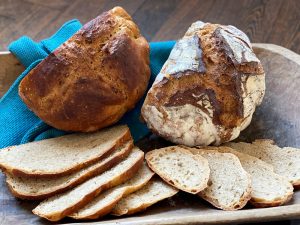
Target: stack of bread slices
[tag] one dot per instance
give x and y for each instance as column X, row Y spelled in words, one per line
column 83, row 176
column 87, row 176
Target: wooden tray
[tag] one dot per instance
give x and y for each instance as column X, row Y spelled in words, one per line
column 277, row 118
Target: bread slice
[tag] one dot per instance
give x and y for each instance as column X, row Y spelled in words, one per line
column 180, row 168
column 285, row 161
column 33, row 188
column 229, row 185
column 268, row 188
column 61, row 205
column 106, row 201
column 154, row 191
column 62, row 155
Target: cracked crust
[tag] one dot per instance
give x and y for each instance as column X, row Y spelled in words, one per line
column 208, row 89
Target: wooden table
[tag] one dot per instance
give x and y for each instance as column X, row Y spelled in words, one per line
column 264, row 21
column 273, row 21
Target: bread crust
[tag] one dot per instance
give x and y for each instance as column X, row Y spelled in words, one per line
column 109, row 206
column 238, row 205
column 208, row 89
column 24, row 173
column 260, row 203
column 90, row 196
column 68, row 185
column 128, row 211
column 92, row 79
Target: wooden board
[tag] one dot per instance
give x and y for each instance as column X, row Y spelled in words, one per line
column 278, row 118
column 268, row 21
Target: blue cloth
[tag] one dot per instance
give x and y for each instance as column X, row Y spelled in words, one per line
column 19, row 125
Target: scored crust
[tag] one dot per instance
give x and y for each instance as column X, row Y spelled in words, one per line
column 93, row 78
column 208, row 88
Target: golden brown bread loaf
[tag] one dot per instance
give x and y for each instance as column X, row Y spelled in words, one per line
column 208, row 88
column 92, row 79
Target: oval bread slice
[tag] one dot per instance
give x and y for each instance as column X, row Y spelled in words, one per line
column 154, row 191
column 62, row 205
column 59, row 156
column 33, row 188
column 268, row 188
column 180, row 168
column 229, row 185
column 285, row 161
column 106, row 201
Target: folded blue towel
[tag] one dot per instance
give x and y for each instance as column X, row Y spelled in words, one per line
column 19, row 125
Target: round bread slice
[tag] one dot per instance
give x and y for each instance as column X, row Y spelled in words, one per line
column 229, row 185
column 268, row 188
column 180, row 168
column 286, row 161
column 154, row 191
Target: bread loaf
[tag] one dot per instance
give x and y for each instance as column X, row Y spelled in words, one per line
column 33, row 188
column 208, row 88
column 92, row 79
column 63, row 155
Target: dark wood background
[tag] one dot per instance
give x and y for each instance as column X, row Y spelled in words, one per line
column 273, row 21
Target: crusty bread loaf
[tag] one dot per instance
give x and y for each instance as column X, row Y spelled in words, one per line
column 62, row 155
column 208, row 88
column 105, row 202
column 229, row 186
column 179, row 168
column 62, row 205
column 33, row 188
column 286, row 161
column 92, row 79
column 268, row 188
column 154, row 191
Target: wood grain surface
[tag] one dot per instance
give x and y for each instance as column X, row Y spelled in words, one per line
column 273, row 21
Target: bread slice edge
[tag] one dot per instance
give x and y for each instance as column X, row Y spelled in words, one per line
column 66, row 186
